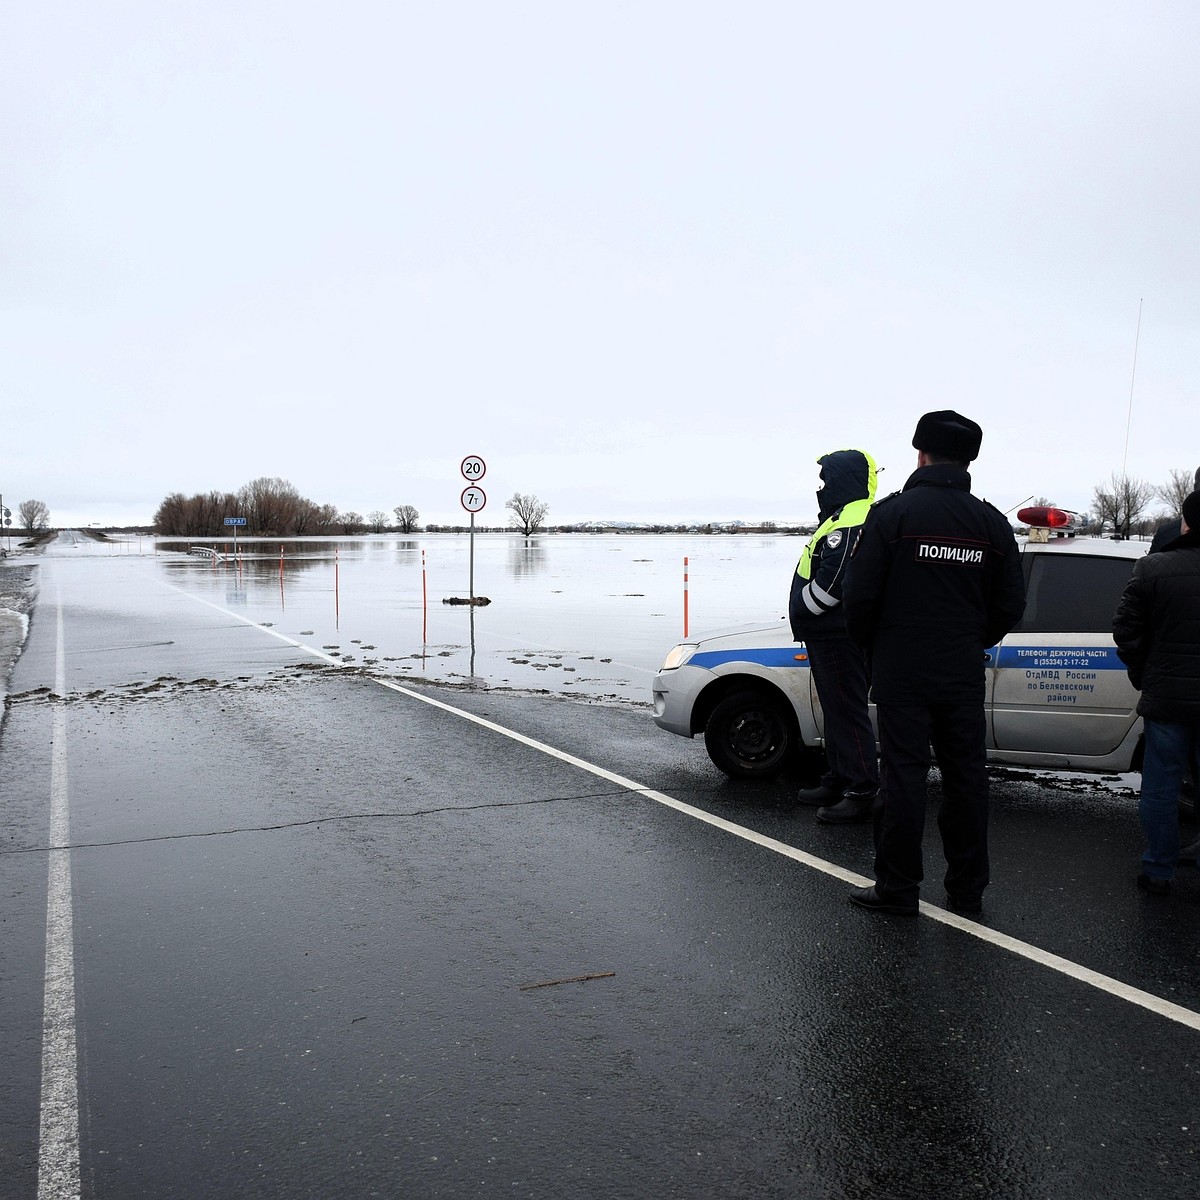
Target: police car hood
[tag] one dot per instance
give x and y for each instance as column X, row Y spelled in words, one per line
column 848, row 475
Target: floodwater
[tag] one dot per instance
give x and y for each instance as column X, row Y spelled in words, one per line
column 582, row 615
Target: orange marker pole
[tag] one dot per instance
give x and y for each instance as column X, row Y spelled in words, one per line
column 685, row 596
column 424, row 603
column 337, row 610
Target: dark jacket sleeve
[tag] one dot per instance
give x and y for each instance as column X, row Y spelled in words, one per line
column 1006, row 602
column 865, row 580
column 796, row 607
column 1164, row 535
column 1129, row 625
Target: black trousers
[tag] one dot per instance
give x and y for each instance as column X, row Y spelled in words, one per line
column 839, row 672
column 957, row 735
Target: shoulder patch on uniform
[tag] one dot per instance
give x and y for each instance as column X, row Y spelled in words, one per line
column 834, row 540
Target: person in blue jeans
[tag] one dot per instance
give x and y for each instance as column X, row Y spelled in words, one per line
column 1157, row 631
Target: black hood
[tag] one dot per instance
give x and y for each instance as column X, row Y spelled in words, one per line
column 848, row 475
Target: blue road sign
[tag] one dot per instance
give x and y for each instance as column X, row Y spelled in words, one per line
column 235, row 520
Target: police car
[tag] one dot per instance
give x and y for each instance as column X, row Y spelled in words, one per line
column 1057, row 694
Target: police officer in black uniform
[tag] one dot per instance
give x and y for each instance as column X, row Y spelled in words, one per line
column 934, row 580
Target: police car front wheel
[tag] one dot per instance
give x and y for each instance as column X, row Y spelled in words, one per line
column 750, row 735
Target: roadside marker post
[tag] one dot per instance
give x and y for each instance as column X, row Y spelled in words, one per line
column 685, row 596
column 424, row 602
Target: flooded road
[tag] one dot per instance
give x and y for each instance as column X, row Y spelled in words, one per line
column 335, row 933
column 588, row 616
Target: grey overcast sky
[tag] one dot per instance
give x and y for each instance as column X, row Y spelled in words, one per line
column 647, row 259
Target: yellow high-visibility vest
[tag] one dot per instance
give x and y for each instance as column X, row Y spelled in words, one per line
column 854, row 513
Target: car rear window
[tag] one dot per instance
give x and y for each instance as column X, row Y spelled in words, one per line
column 1071, row 593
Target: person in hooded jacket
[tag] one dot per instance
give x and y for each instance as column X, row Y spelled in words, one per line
column 1157, row 631
column 848, row 788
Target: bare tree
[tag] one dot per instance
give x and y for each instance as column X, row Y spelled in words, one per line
column 269, row 504
column 168, row 520
column 1177, row 489
column 377, row 520
column 1121, row 503
column 308, row 518
column 208, row 513
column 528, row 512
column 34, row 515
column 406, row 518
column 351, row 522
column 327, row 518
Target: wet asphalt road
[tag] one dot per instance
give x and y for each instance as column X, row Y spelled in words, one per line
column 307, row 910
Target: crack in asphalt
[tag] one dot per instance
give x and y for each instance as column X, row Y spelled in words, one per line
column 327, row 820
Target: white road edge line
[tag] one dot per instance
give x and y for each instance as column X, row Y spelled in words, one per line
column 1082, row 974
column 58, row 1142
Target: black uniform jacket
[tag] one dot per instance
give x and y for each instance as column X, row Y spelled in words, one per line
column 1157, row 631
column 934, row 579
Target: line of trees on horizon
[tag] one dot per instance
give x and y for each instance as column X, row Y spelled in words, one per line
column 272, row 507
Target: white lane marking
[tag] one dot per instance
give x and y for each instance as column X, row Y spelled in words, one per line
column 58, row 1145
column 1082, row 974
column 1164, row 1008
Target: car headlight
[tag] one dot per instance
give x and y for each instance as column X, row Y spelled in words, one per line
column 678, row 656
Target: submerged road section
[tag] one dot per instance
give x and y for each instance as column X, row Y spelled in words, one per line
column 274, row 928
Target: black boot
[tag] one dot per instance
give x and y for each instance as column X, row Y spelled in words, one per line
column 849, row 810
column 821, row 794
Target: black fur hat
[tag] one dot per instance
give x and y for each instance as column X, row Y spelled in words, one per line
column 948, row 435
column 1191, row 511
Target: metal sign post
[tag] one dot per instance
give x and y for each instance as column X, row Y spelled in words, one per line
column 235, row 522
column 473, row 499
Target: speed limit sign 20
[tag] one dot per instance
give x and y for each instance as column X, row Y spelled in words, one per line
column 473, row 468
